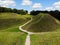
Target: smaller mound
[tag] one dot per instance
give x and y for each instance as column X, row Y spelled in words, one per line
column 41, row 23
column 8, row 20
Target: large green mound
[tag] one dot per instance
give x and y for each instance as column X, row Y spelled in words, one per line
column 9, row 28
column 42, row 23
column 8, row 20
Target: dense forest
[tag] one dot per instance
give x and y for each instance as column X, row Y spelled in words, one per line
column 55, row 13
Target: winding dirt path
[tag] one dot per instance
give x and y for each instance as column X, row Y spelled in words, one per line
column 20, row 27
column 27, row 42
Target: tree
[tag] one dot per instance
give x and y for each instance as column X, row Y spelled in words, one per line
column 15, row 10
column 33, row 12
column 55, row 14
column 4, row 9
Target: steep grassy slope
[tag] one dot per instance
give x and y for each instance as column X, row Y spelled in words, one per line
column 51, row 38
column 9, row 20
column 12, row 38
column 42, row 23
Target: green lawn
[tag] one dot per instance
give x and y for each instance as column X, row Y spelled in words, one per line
column 51, row 38
column 12, row 38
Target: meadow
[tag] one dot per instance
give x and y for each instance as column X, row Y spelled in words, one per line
column 46, row 25
column 51, row 38
column 12, row 38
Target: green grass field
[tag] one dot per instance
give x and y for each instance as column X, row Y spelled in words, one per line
column 51, row 38
column 12, row 38
column 11, row 35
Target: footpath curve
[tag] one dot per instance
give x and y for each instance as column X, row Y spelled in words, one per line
column 27, row 42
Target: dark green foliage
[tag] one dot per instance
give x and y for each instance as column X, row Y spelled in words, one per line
column 15, row 10
column 33, row 12
column 55, row 13
column 4, row 9
column 23, row 12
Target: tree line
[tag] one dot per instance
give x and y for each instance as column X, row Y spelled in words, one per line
column 55, row 13
column 4, row 9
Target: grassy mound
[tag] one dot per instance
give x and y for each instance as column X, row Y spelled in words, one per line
column 9, row 20
column 41, row 23
column 9, row 28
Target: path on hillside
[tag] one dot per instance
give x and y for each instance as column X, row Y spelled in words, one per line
column 20, row 27
column 27, row 42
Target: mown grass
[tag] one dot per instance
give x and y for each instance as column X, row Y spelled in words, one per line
column 51, row 38
column 42, row 23
column 12, row 38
